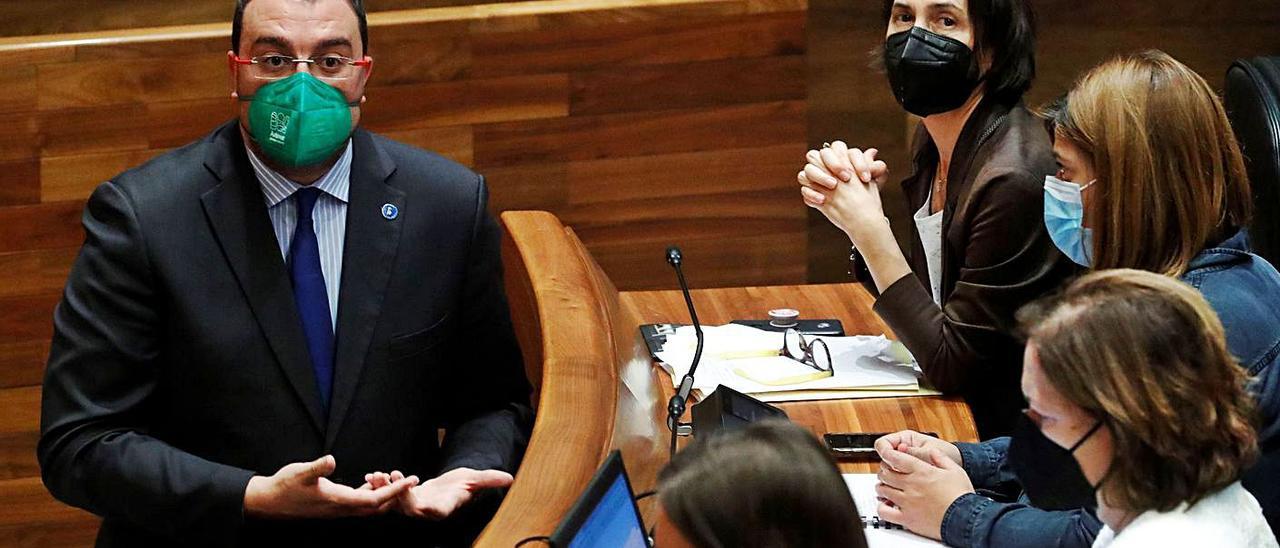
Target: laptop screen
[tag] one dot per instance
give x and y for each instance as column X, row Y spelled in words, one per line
column 606, row 514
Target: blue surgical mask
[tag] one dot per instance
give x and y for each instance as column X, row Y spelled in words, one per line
column 1064, row 219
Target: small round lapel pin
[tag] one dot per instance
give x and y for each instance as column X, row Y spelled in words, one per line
column 390, row 212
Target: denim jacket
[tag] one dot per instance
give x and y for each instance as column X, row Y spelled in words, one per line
column 1244, row 290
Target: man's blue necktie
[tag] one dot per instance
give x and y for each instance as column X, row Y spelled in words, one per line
column 310, row 293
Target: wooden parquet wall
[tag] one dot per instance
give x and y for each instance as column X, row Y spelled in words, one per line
column 29, row 18
column 639, row 122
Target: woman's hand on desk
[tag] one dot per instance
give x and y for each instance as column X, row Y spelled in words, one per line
column 917, row 445
column 916, row 493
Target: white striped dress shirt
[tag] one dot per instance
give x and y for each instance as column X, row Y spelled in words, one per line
column 329, row 218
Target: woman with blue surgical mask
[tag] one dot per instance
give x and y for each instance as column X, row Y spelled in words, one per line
column 1145, row 149
column 1064, row 218
column 1150, row 177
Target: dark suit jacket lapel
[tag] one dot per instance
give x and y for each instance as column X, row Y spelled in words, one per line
column 368, row 258
column 238, row 215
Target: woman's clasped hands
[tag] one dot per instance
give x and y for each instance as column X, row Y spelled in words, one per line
column 844, row 184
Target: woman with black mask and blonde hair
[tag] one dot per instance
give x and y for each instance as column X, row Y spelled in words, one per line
column 978, row 247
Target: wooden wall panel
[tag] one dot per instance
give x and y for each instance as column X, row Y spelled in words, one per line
column 20, row 140
column 528, row 187
column 733, row 264
column 27, row 318
column 170, row 124
column 45, row 226
column 1206, row 14
column 19, row 181
column 71, row 178
column 421, row 59
column 22, row 362
column 20, row 85
column 24, row 17
column 31, row 518
column 689, row 85
column 453, row 142
column 692, row 217
column 18, row 455
column 20, row 409
column 1208, row 47
column 34, row 272
column 97, row 83
column 87, row 130
column 467, row 102
column 641, row 123
column 666, row 42
column 639, row 134
column 599, row 182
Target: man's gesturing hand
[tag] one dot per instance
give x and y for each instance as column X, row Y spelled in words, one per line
column 439, row 497
column 301, row 490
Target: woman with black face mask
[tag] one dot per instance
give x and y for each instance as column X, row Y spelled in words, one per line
column 1131, row 373
column 978, row 245
column 1133, row 398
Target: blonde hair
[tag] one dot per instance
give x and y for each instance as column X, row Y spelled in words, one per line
column 1170, row 176
column 1147, row 356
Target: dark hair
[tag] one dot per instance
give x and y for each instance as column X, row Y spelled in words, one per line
column 237, row 21
column 770, row 484
column 1004, row 30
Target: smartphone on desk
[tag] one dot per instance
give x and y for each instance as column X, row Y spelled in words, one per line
column 856, row 445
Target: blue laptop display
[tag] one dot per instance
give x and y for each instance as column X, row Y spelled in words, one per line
column 606, row 514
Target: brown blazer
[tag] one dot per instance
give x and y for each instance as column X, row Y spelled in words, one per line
column 996, row 257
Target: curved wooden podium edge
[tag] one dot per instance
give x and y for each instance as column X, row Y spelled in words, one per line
column 553, row 290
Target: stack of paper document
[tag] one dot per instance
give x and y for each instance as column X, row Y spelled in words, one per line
column 749, row 360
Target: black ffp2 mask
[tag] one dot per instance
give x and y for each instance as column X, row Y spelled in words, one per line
column 1049, row 474
column 929, row 73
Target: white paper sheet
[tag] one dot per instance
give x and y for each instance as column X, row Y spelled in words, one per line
column 861, row 362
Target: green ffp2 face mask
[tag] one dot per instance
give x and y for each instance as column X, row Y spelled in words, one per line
column 299, row 121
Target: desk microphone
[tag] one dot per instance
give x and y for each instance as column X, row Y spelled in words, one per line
column 675, row 408
column 725, row 408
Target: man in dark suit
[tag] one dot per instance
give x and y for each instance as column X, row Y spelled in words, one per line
column 261, row 321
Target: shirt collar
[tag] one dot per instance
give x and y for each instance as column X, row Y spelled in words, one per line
column 277, row 188
column 1234, row 250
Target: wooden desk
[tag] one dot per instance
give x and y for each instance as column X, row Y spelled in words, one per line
column 596, row 388
column 849, row 303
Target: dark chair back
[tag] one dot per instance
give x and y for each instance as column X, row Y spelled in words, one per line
column 1253, row 105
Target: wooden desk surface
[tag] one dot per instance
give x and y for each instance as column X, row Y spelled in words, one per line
column 948, row 416
column 600, row 390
